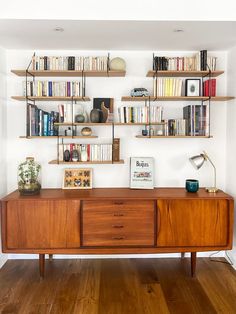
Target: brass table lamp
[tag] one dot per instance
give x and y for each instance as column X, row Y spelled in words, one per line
column 198, row 161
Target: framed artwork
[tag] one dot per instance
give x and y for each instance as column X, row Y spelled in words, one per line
column 192, row 87
column 141, row 173
column 77, row 179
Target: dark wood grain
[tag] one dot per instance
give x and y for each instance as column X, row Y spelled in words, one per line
column 121, row 286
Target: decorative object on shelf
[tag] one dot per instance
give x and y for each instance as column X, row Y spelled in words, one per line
column 192, row 87
column 107, row 107
column 116, row 149
column 105, row 112
column 117, row 64
column 86, row 131
column 198, row 161
column 77, row 179
column 66, row 155
column 75, row 155
column 29, row 180
column 144, row 132
column 151, row 131
column 80, row 118
column 139, row 92
column 141, row 173
column 68, row 132
column 83, row 153
column 96, row 116
column 192, row 185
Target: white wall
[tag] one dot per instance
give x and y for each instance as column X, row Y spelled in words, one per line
column 121, row 10
column 231, row 135
column 3, row 183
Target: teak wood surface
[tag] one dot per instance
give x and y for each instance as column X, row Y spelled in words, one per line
column 116, row 221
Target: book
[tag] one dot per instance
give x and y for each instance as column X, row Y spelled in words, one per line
column 116, row 149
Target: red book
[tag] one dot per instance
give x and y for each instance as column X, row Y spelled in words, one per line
column 88, row 152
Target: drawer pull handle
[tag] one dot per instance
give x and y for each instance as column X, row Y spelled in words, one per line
column 118, row 238
column 118, row 214
column 117, row 226
column 118, row 203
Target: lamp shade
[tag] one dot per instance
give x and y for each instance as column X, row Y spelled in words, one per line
column 197, row 161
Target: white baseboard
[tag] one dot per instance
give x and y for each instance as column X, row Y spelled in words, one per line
column 97, row 256
column 231, row 255
column 3, row 259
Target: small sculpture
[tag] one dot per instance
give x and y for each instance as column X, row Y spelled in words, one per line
column 117, row 64
column 86, row 131
column 139, row 92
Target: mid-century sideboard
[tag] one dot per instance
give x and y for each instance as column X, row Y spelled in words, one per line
column 116, row 221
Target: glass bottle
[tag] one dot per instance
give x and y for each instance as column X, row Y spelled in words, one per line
column 29, row 177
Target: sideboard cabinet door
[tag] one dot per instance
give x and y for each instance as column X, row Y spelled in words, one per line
column 189, row 223
column 42, row 224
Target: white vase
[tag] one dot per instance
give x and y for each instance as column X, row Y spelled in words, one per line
column 84, row 155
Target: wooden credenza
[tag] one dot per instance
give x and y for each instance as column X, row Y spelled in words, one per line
column 116, row 221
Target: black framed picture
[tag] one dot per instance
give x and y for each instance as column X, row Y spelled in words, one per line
column 193, row 87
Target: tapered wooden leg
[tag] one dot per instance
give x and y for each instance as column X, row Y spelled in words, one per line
column 41, row 265
column 182, row 255
column 50, row 257
column 193, row 263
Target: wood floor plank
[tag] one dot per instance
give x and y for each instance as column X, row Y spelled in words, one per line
column 183, row 293
column 118, row 286
column 219, row 283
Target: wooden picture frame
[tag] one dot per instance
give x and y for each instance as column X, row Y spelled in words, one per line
column 74, row 178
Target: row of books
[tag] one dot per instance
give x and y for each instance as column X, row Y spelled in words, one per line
column 197, row 120
column 199, row 62
column 52, row 88
column 40, row 122
column 141, row 114
column 76, row 152
column 167, row 87
column 173, row 127
column 209, row 88
column 62, row 63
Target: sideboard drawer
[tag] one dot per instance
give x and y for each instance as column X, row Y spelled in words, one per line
column 118, row 223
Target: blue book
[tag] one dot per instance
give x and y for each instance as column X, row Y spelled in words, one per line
column 45, row 124
column 50, row 88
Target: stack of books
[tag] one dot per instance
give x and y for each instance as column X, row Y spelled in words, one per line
column 52, row 88
column 198, row 62
column 40, row 122
column 140, row 114
column 95, row 152
column 167, row 87
column 175, row 127
column 209, row 88
column 63, row 63
column 197, row 120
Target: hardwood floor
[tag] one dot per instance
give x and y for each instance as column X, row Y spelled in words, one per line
column 118, row 286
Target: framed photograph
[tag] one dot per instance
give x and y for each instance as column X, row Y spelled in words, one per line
column 77, row 179
column 193, row 87
column 141, row 173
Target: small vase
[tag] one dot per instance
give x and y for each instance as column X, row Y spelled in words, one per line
column 96, row 116
column 66, row 155
column 75, row 155
column 29, row 177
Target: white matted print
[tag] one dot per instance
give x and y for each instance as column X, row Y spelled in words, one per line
column 141, row 172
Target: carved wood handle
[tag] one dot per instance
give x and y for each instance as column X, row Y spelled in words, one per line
column 118, row 214
column 118, row 238
column 117, row 226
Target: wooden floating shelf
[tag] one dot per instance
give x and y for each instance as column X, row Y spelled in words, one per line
column 183, row 73
column 68, row 73
column 60, row 136
column 55, row 162
column 82, row 124
column 138, row 123
column 175, row 136
column 176, row 98
column 54, row 98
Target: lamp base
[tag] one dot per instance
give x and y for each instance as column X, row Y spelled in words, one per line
column 212, row 190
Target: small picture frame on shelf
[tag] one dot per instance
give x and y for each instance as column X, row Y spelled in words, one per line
column 77, row 178
column 141, row 172
column 193, row 87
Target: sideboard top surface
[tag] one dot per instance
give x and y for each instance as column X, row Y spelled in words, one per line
column 119, row 193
